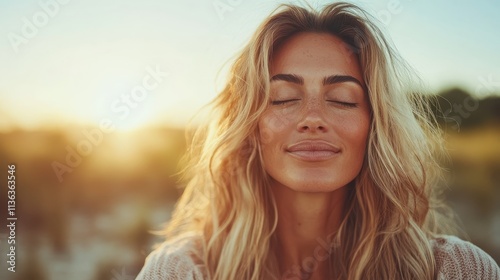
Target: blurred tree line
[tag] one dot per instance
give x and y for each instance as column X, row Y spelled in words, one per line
column 457, row 109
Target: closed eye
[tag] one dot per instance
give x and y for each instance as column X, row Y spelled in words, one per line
column 344, row 104
column 281, row 102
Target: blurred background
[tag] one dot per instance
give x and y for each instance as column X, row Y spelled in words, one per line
column 95, row 96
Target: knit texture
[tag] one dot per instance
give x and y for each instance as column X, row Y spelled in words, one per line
column 174, row 260
column 456, row 259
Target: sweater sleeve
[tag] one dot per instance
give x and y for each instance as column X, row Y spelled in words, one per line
column 170, row 263
column 458, row 259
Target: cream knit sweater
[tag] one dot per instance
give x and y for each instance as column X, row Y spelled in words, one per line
column 456, row 259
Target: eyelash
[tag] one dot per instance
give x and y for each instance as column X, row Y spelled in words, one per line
column 344, row 104
column 281, row 102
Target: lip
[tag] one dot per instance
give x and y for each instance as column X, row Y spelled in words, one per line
column 313, row 150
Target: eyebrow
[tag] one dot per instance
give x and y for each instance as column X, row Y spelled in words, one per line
column 288, row 78
column 329, row 80
column 340, row 79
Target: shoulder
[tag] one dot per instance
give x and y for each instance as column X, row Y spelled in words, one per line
column 459, row 259
column 174, row 259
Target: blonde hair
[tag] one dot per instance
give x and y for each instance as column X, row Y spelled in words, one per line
column 391, row 213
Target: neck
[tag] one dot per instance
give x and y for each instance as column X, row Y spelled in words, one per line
column 306, row 224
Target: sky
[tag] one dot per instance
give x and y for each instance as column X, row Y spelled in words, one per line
column 157, row 62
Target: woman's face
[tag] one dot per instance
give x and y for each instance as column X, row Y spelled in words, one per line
column 313, row 134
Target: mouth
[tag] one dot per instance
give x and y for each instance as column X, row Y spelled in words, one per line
column 313, row 150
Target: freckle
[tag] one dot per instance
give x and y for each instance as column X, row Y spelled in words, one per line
column 308, row 54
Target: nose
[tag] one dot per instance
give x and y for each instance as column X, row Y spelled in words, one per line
column 312, row 121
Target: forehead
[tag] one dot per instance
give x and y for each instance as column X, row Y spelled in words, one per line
column 315, row 53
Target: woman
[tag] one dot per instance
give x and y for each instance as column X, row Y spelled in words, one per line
column 318, row 164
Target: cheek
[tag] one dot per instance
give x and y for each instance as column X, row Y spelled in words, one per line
column 272, row 127
column 354, row 130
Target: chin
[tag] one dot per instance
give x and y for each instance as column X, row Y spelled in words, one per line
column 314, row 186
